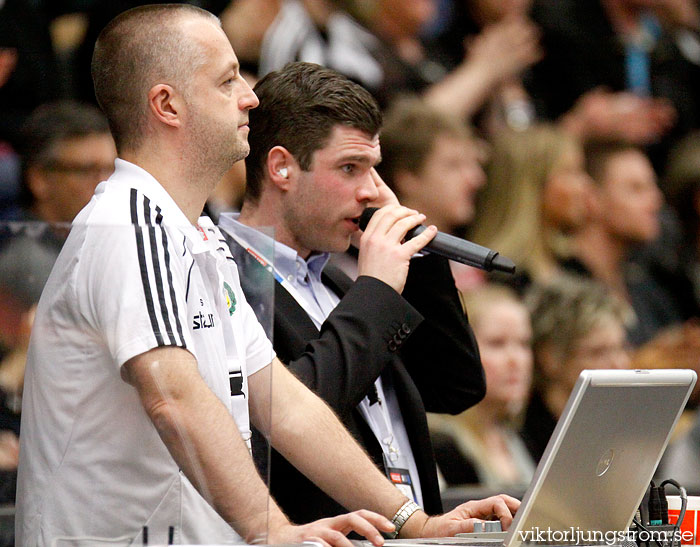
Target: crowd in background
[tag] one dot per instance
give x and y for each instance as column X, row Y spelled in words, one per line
column 563, row 133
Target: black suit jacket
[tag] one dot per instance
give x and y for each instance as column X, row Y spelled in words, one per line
column 432, row 365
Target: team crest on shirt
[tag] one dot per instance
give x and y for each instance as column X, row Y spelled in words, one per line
column 230, row 298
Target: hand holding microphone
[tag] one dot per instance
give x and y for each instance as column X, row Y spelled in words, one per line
column 385, row 253
column 454, row 248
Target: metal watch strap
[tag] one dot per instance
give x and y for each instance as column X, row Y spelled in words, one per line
column 401, row 516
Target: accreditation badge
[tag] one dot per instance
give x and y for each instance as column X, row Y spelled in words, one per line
column 401, row 478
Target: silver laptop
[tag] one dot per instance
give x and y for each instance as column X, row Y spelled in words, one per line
column 599, row 460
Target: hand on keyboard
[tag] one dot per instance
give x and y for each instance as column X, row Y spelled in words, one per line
column 462, row 518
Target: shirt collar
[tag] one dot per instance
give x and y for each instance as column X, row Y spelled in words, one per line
column 126, row 173
column 316, row 263
column 285, row 259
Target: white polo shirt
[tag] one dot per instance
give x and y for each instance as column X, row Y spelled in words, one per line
column 133, row 275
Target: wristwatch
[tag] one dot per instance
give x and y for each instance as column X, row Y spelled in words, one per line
column 401, row 516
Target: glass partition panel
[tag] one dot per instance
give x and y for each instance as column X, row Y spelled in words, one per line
column 142, row 347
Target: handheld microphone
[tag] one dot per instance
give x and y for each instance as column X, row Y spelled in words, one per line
column 454, row 248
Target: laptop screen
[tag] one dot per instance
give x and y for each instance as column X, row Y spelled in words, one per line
column 601, row 456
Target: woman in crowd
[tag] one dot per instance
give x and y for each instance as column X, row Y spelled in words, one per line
column 535, row 196
column 577, row 324
column 481, row 446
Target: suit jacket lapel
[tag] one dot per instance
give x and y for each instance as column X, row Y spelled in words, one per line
column 336, row 280
column 289, row 309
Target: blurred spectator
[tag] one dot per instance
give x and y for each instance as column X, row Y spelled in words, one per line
column 494, row 31
column 66, row 151
column 677, row 346
column 320, row 31
column 494, row 57
column 464, row 19
column 625, row 207
column 482, row 446
column 625, row 218
column 535, row 197
column 638, row 60
column 519, row 101
column 681, row 185
column 577, row 324
column 433, row 165
column 387, row 55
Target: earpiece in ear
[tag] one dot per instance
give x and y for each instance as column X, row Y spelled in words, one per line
column 283, row 172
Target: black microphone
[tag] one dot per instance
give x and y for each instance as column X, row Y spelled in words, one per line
column 454, row 248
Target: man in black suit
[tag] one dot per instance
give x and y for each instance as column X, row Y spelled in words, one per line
column 381, row 350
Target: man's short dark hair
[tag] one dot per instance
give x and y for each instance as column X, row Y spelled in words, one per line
column 51, row 124
column 139, row 48
column 299, row 107
column 411, row 129
column 55, row 122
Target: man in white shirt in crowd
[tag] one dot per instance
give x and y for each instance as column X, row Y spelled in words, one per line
column 146, row 364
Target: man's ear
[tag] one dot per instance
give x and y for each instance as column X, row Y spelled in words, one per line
column 282, row 168
column 165, row 105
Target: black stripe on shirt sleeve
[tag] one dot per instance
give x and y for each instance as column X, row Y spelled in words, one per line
column 166, row 255
column 143, row 267
column 155, row 259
